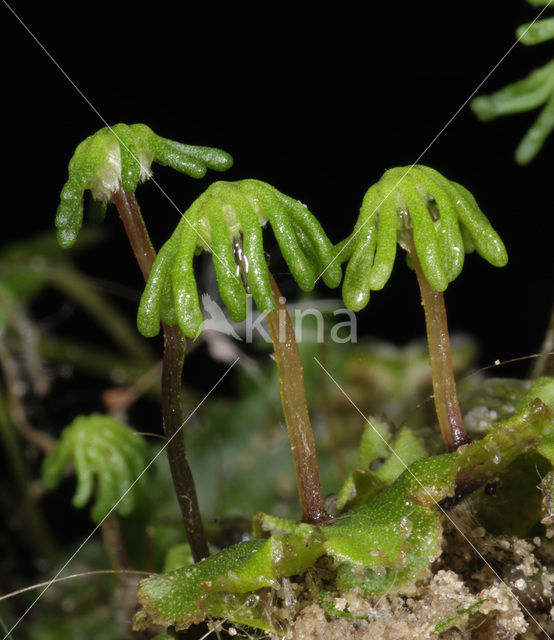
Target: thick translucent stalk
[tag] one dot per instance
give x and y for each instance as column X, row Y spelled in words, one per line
column 440, row 355
column 172, row 411
column 293, row 398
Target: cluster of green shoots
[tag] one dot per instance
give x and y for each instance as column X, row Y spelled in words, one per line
column 434, row 220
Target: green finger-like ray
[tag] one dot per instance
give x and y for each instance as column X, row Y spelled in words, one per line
column 135, row 457
column 199, row 157
column 228, row 277
column 257, row 275
column 69, row 223
column 116, row 465
column 210, row 157
column 83, row 469
column 148, row 316
column 168, row 312
column 383, row 206
column 355, row 289
column 329, row 265
column 106, row 484
column 168, row 152
column 174, row 154
column 523, row 95
column 56, row 461
column 469, row 216
column 84, row 163
column 425, row 236
column 132, row 446
column 539, row 131
column 69, row 215
column 300, row 263
column 536, row 32
column 80, row 154
column 486, row 240
column 130, row 162
column 185, row 293
column 304, row 243
column 450, row 238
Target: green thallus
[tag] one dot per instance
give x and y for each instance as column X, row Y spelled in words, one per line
column 378, row 547
column 529, row 93
column 436, row 221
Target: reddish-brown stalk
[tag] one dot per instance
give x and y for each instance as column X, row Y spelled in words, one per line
column 442, row 371
column 174, row 353
column 293, row 398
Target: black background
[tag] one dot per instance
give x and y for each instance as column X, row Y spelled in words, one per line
column 318, row 102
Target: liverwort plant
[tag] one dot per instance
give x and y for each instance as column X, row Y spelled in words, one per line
column 227, row 220
column 436, row 221
column 110, row 164
column 100, row 447
column 384, row 531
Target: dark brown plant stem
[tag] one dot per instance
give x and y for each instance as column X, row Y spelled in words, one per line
column 293, row 398
column 174, row 352
column 442, row 371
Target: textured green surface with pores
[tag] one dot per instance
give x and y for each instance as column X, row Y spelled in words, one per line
column 376, row 446
column 210, row 587
column 378, row 547
column 443, row 217
column 226, row 215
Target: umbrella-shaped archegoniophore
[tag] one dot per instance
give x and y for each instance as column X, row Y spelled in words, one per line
column 119, row 157
column 437, row 222
column 228, row 220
